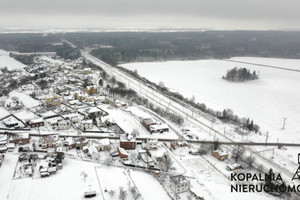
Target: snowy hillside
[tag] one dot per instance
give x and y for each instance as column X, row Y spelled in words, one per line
column 10, row 63
column 266, row 100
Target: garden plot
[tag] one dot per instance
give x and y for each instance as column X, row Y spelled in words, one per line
column 111, row 179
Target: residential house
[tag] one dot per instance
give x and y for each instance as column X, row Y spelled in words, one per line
column 86, row 124
column 54, row 100
column 158, row 128
column 49, row 140
column 93, row 152
column 147, row 122
column 92, row 89
column 150, row 144
column 128, row 141
column 11, row 121
column 102, row 145
column 36, row 123
column 63, row 125
column 80, row 142
column 179, row 183
column 19, row 138
column 106, row 121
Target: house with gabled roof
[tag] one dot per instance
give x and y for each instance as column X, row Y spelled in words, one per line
column 179, row 183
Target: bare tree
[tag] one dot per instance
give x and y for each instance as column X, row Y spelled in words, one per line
column 133, row 191
column 237, row 152
column 166, row 161
column 216, row 145
column 249, row 161
column 137, row 196
column 108, row 160
column 111, row 193
column 123, row 194
column 135, row 131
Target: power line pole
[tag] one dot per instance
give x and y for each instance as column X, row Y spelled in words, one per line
column 284, row 119
column 267, row 137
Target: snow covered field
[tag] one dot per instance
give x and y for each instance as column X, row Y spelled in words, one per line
column 10, row 63
column 66, row 184
column 267, row 100
column 111, row 178
column 27, row 100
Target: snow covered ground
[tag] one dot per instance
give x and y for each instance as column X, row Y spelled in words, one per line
column 10, row 63
column 266, row 100
column 69, row 183
column 3, row 112
column 111, row 178
column 27, row 100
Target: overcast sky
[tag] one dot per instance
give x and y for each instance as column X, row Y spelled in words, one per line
column 214, row 14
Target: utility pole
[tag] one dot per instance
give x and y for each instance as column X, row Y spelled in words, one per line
column 267, row 137
column 283, row 127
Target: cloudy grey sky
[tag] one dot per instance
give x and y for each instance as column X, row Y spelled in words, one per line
column 215, row 14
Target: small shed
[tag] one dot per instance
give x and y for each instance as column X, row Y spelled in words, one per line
column 220, row 155
column 233, row 167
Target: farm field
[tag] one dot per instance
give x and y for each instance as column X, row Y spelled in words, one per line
column 266, row 100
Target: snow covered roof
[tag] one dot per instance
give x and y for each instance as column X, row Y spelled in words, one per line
column 221, row 153
column 49, row 138
column 49, row 114
column 3, row 138
column 94, row 109
column 10, row 120
column 234, row 166
column 149, row 121
column 87, row 121
column 179, row 179
column 127, row 137
column 122, row 151
column 159, row 126
column 92, row 149
column 104, row 142
column 16, row 136
column 90, row 87
column 39, row 120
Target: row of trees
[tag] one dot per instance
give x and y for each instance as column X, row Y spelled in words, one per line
column 118, row 88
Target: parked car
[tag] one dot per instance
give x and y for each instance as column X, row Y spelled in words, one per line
column 33, row 156
column 24, row 149
column 23, row 157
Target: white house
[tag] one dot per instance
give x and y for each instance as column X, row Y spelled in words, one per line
column 179, row 183
column 93, row 152
column 101, row 145
column 63, row 125
column 150, row 144
column 86, row 124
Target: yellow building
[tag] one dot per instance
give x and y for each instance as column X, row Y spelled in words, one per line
column 91, row 89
